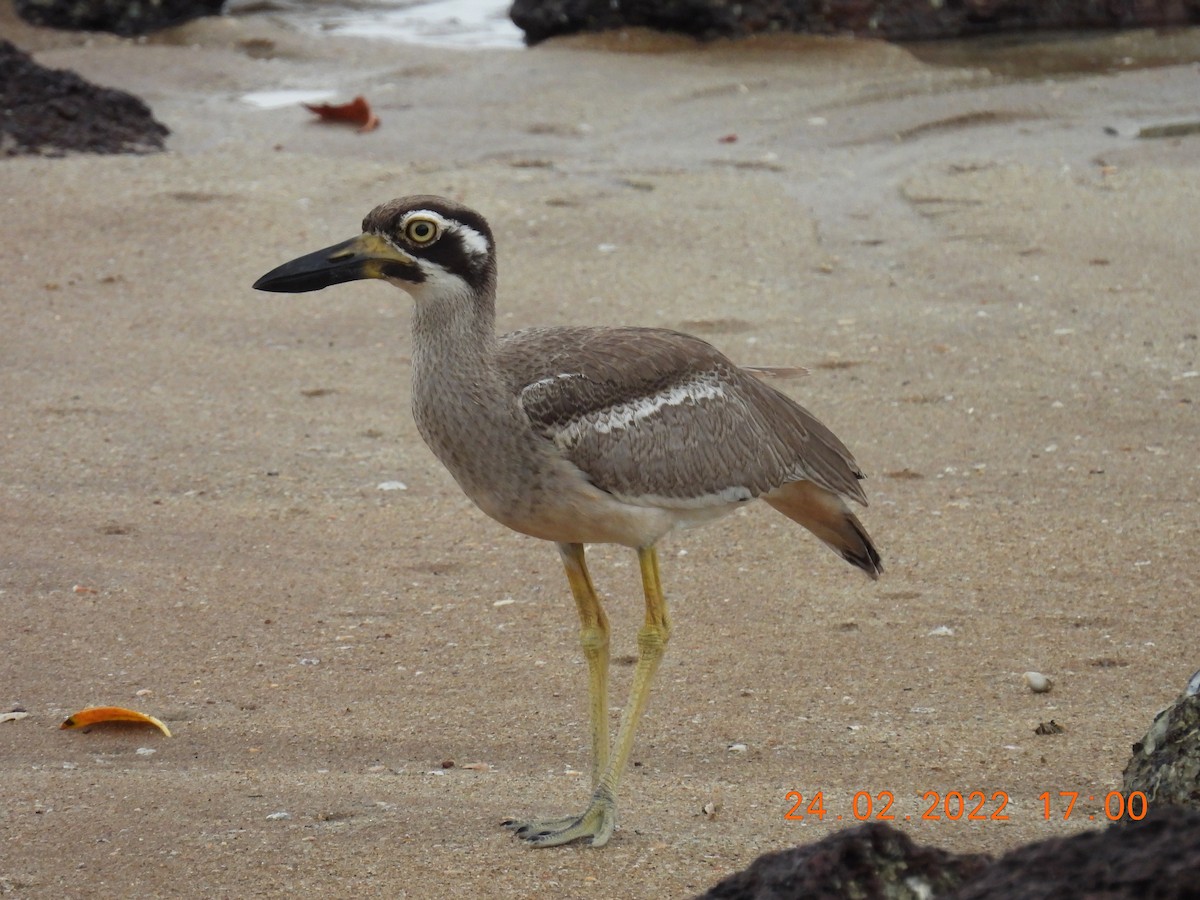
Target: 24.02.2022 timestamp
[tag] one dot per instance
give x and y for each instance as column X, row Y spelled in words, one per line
column 955, row 806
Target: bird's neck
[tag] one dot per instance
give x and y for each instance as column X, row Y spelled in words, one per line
column 453, row 328
column 455, row 380
column 462, row 402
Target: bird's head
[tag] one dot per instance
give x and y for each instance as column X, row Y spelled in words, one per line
column 422, row 244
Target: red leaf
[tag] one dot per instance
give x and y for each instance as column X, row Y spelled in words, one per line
column 356, row 112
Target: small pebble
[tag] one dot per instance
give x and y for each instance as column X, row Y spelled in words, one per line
column 278, row 816
column 1038, row 683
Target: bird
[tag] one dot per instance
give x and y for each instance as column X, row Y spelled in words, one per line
column 587, row 435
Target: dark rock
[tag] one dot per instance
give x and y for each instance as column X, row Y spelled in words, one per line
column 870, row 861
column 1165, row 765
column 891, row 19
column 1157, row 858
column 51, row 111
column 124, row 17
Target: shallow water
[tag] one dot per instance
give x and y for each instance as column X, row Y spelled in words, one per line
column 444, row 23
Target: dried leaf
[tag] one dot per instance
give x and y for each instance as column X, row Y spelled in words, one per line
column 95, row 715
column 356, row 112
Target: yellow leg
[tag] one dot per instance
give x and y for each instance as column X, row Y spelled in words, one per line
column 593, row 637
column 600, row 818
column 652, row 643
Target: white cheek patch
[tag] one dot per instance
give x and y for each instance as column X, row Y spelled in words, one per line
column 438, row 280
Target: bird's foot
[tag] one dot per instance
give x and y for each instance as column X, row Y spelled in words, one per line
column 597, row 822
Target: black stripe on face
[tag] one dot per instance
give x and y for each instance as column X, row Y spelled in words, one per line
column 401, row 272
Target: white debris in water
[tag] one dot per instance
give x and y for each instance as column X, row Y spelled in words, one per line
column 280, row 99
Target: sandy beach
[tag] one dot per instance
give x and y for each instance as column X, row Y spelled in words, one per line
column 991, row 280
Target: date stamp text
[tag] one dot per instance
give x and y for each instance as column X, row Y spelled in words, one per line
column 965, row 806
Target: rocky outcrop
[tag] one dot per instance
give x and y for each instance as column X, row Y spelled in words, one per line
column 1157, row 858
column 891, row 19
column 124, row 17
column 1165, row 765
column 51, row 111
column 870, row 861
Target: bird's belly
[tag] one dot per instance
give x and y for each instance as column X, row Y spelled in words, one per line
column 587, row 515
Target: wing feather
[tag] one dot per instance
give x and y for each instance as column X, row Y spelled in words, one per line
column 665, row 418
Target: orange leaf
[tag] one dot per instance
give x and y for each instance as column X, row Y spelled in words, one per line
column 95, row 715
column 356, row 112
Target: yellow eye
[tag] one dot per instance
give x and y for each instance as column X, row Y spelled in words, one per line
column 421, row 231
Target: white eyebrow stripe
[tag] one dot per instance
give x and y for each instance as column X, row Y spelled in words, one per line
column 473, row 242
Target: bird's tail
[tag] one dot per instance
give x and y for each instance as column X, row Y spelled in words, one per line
column 827, row 516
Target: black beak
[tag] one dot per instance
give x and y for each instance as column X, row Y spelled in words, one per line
column 366, row 256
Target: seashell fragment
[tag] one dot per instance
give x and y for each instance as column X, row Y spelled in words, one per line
column 1038, row 683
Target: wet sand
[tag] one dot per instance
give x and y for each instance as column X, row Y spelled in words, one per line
column 997, row 300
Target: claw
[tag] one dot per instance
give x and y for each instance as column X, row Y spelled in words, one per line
column 598, row 822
